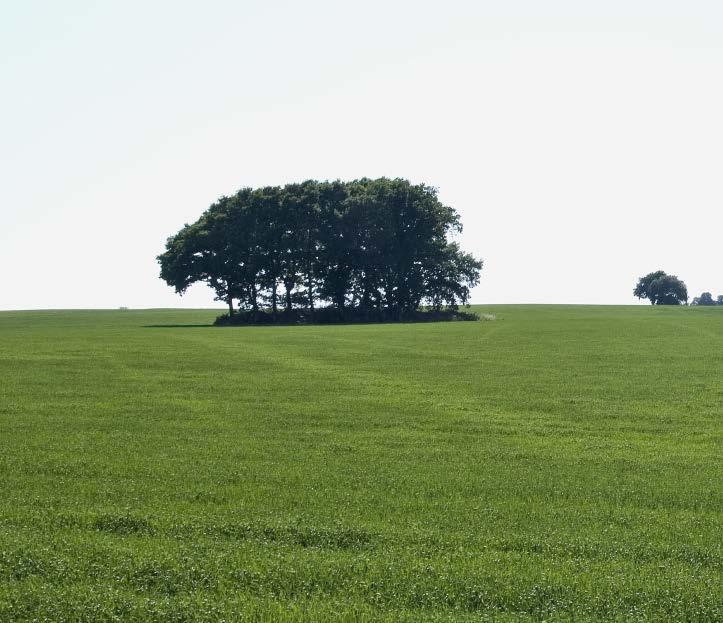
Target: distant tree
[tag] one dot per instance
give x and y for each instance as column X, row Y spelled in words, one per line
column 719, row 300
column 661, row 289
column 704, row 299
column 707, row 299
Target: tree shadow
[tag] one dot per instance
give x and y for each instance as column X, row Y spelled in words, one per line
column 175, row 326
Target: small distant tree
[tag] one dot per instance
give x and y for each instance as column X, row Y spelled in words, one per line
column 661, row 289
column 704, row 299
column 719, row 300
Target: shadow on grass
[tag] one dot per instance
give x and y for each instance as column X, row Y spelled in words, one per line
column 175, row 326
column 349, row 323
column 265, row 319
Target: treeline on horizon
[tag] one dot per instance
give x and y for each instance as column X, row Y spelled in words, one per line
column 660, row 288
column 707, row 299
column 364, row 250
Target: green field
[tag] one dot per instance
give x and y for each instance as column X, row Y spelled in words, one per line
column 558, row 463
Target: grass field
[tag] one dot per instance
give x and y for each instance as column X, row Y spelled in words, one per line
column 557, row 463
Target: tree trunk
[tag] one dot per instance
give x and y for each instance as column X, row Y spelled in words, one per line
column 254, row 302
column 340, row 304
column 273, row 300
column 310, row 289
column 288, row 287
column 365, row 301
column 229, row 300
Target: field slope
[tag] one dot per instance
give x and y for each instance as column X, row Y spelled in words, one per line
column 557, row 463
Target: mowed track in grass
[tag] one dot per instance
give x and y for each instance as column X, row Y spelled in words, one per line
column 558, row 463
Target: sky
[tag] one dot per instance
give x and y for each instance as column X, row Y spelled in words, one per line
column 581, row 141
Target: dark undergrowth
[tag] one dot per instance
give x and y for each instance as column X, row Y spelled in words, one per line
column 332, row 315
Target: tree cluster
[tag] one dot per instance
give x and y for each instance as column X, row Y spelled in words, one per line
column 366, row 249
column 661, row 289
column 707, row 299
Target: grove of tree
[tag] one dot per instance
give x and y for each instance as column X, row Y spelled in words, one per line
column 367, row 249
column 706, row 299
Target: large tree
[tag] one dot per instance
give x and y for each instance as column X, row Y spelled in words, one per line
column 661, row 289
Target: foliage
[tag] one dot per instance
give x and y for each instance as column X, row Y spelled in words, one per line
column 705, row 299
column 661, row 289
column 368, row 248
column 551, row 465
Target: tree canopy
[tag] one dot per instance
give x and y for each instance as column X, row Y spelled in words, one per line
column 371, row 248
column 661, row 289
column 706, row 299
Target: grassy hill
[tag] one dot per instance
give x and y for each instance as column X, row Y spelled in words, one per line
column 557, row 463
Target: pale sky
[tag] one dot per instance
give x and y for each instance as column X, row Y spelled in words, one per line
column 581, row 141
